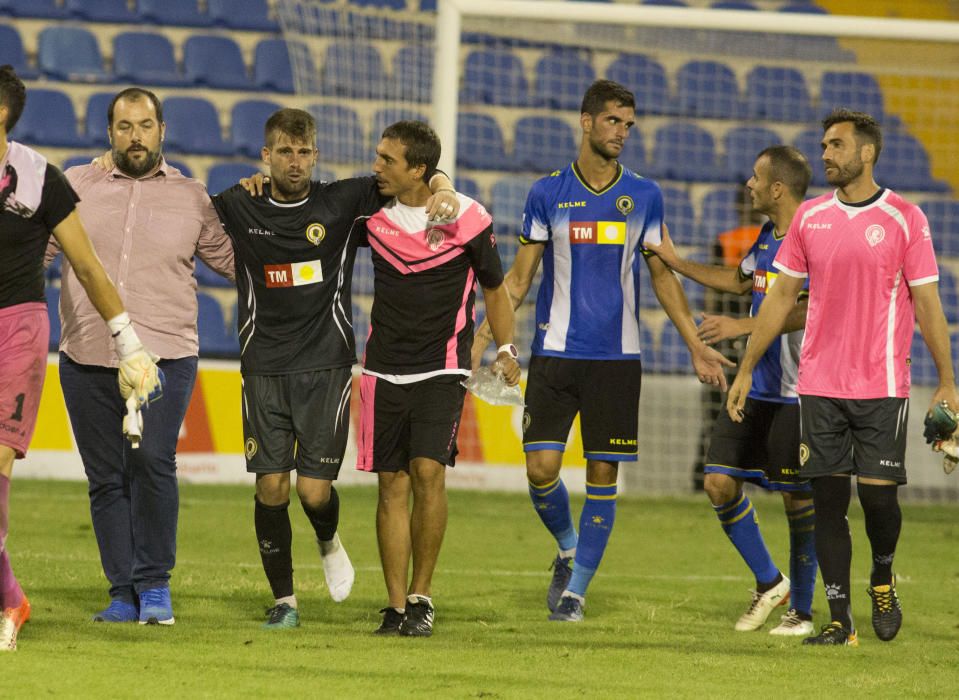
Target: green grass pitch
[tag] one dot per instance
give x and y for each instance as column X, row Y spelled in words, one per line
column 658, row 620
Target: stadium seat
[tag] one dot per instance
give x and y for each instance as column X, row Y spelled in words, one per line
column 382, row 118
column 144, row 58
column 646, row 77
column 215, row 339
column 361, row 325
column 719, row 212
column 38, row 9
column 252, row 15
column 362, row 277
column 921, row 368
column 178, row 13
column 708, row 89
column 666, row 3
column 247, row 119
column 680, row 217
column 809, row 142
column 54, row 270
column 412, row 74
column 808, row 8
column 543, row 144
column 507, row 201
column 340, row 135
column 479, row 143
column 101, row 10
column 383, row 4
column 184, row 169
column 741, row 145
column 732, row 5
column 272, row 68
column 95, row 119
column 494, row 77
column 469, row 187
column 684, row 151
column 12, row 53
column 647, row 297
column 52, row 295
column 904, row 164
column 48, row 119
column 216, row 62
column 859, row 91
column 672, row 355
column 223, row 176
column 647, row 341
column 633, row 155
column 353, row 70
column 777, row 93
column 944, row 224
column 949, row 294
column 70, row 54
column 206, row 277
column 561, row 78
column 192, row 126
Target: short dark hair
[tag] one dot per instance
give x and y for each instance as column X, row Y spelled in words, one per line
column 422, row 144
column 603, row 91
column 789, row 166
column 13, row 95
column 298, row 124
column 865, row 127
column 134, row 94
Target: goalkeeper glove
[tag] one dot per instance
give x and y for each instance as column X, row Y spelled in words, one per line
column 940, row 424
column 138, row 373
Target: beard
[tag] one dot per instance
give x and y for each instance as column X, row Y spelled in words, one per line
column 601, row 149
column 136, row 168
column 288, row 190
column 845, row 173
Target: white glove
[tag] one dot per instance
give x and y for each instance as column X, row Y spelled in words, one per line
column 950, row 452
column 138, row 374
column 133, row 423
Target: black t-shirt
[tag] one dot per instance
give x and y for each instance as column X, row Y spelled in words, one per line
column 294, row 268
column 23, row 240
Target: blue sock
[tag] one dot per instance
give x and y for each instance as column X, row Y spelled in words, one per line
column 595, row 526
column 741, row 525
column 802, row 557
column 551, row 502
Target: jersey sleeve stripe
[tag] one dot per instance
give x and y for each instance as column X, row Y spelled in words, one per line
column 792, row 273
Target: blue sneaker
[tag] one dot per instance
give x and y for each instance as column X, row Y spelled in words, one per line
column 118, row 611
column 155, row 607
column 562, row 573
column 570, row 609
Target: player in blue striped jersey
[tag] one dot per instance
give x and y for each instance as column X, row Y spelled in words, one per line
column 588, row 224
column 764, row 448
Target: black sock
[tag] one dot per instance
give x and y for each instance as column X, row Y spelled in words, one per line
column 880, row 504
column 275, row 538
column 326, row 518
column 834, row 543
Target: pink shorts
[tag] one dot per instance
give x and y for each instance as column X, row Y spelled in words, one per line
column 24, row 337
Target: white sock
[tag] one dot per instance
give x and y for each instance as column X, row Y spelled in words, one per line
column 289, row 600
column 567, row 553
column 570, row 594
column 419, row 598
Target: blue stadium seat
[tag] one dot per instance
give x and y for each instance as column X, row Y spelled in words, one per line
column 646, row 77
column 412, row 74
column 192, row 126
column 949, row 294
column 741, row 145
column 543, row 144
column 53, row 311
column 101, row 10
column 54, row 270
column 253, row 15
column 272, row 69
column 708, row 89
column 494, row 77
column 361, row 327
column 95, row 119
column 178, row 13
column 720, row 212
column 340, row 136
column 384, row 4
column 39, row 9
column 666, row 3
column 206, row 277
column 922, row 368
column 12, row 53
column 808, row 8
column 647, row 297
column 732, row 5
column 679, row 216
column 561, row 79
column 362, row 277
column 216, row 62
column 184, row 169
column 809, row 142
column 944, row 224
column 694, row 291
column 672, row 355
column 507, row 201
column 247, row 119
column 70, row 54
column 353, row 69
column 647, row 341
column 216, row 340
column 859, row 91
column 469, row 187
column 904, row 164
column 684, row 151
column 382, row 118
column 145, row 58
column 633, row 155
column 48, row 119
column 776, row 93
column 479, row 143
column 223, row 176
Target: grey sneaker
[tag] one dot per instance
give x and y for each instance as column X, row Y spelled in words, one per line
column 570, row 609
column 562, row 573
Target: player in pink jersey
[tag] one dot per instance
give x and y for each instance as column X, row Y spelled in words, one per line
column 872, row 271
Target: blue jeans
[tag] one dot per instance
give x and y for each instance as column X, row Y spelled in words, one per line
column 134, row 497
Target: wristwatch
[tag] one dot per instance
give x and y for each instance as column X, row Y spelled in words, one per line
column 509, row 349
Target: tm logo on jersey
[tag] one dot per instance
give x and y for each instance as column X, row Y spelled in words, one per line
column 597, row 232
column 763, row 281
column 293, row 274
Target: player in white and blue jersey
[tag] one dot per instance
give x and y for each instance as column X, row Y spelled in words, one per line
column 764, row 447
column 589, row 223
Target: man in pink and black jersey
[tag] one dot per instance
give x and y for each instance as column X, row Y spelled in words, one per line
column 417, row 354
column 872, row 272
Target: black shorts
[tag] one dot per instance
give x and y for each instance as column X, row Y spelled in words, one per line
column 400, row 422
column 605, row 393
column 866, row 437
column 297, row 421
column 763, row 449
